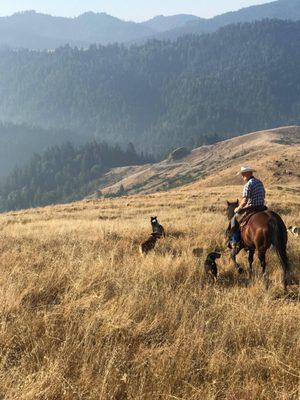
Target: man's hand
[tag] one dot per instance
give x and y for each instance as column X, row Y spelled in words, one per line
column 243, row 204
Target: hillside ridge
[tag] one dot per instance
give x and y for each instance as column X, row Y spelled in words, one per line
column 275, row 153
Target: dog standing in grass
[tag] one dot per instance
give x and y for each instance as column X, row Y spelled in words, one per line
column 210, row 265
column 149, row 244
column 157, row 228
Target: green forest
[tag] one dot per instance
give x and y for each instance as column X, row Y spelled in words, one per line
column 18, row 142
column 63, row 174
column 162, row 94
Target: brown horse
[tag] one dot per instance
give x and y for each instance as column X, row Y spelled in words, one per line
column 263, row 229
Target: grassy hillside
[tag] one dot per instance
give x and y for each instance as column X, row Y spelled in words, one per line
column 276, row 153
column 83, row 316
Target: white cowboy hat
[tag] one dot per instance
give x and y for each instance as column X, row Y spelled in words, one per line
column 246, row 168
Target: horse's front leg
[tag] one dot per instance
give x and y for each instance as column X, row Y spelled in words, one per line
column 234, row 253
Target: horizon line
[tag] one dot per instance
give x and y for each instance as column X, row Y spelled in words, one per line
column 138, row 21
column 100, row 12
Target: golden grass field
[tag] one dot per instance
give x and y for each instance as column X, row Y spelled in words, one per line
column 84, row 316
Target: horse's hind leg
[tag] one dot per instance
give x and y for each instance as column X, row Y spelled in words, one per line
column 250, row 260
column 262, row 259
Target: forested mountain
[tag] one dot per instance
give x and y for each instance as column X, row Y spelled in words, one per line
column 38, row 31
column 280, row 9
column 161, row 95
column 63, row 174
column 19, row 142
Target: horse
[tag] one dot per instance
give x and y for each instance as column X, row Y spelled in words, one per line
column 263, row 229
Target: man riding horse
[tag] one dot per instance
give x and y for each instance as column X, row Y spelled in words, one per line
column 253, row 201
column 255, row 228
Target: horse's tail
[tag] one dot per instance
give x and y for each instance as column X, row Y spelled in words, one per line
column 279, row 238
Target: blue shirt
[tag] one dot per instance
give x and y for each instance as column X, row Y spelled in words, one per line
column 254, row 192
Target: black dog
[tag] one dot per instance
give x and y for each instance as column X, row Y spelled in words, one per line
column 149, row 244
column 210, row 266
column 157, row 228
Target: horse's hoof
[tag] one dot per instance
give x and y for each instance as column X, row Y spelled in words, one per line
column 240, row 270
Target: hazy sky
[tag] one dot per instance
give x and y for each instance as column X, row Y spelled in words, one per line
column 127, row 9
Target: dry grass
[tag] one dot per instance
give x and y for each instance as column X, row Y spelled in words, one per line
column 83, row 316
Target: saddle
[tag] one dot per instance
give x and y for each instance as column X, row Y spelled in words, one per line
column 248, row 213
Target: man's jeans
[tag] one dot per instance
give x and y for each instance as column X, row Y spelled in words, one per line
column 234, row 225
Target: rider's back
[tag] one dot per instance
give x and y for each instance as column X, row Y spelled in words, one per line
column 255, row 193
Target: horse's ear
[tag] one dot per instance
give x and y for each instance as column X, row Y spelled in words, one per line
column 237, row 202
column 228, row 204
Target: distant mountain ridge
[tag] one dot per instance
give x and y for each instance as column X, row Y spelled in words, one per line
column 280, row 9
column 40, row 31
column 37, row 31
column 162, row 23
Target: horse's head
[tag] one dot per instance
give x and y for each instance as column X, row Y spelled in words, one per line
column 230, row 209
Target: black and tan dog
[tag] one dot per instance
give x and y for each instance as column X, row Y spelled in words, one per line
column 210, row 265
column 149, row 244
column 157, row 228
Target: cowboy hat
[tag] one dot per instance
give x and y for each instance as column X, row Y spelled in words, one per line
column 246, row 168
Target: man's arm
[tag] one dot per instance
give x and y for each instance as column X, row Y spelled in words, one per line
column 246, row 196
column 243, row 203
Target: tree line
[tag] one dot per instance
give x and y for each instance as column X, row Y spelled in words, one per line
column 64, row 173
